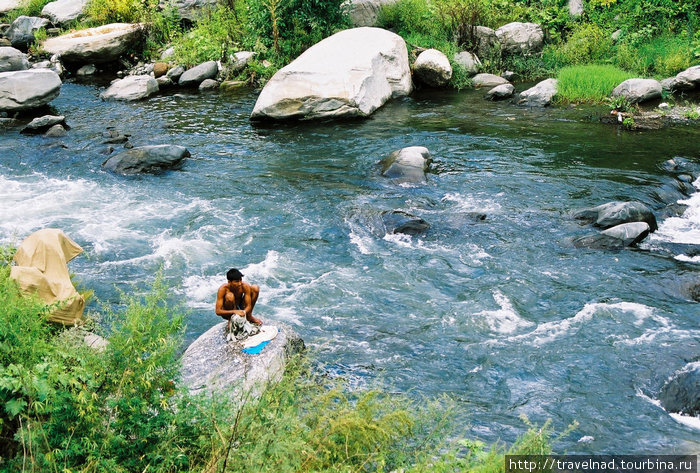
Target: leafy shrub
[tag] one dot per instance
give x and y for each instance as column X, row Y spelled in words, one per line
column 590, row 83
column 213, row 37
column 460, row 18
column 588, row 43
column 413, row 18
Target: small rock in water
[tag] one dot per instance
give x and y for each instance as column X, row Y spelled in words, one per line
column 42, row 124
column 586, row 439
column 115, row 140
column 56, row 131
column 128, row 145
column 209, row 84
column 107, row 150
column 86, row 70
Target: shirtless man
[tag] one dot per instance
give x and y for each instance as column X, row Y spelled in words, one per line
column 237, row 298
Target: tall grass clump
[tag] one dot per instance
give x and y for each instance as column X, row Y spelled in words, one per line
column 590, row 83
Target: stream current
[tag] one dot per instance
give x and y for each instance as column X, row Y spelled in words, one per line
column 503, row 315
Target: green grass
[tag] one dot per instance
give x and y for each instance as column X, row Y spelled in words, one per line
column 588, row 83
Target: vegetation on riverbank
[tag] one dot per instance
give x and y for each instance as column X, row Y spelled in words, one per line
column 66, row 407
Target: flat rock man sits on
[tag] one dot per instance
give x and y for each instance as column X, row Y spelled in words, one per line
column 235, row 302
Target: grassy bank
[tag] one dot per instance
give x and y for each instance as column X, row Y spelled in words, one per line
column 68, row 408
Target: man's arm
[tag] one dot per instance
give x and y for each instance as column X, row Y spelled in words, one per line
column 219, row 308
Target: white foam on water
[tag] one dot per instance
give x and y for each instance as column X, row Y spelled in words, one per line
column 264, row 269
column 469, row 203
column 362, row 242
column 201, row 289
column 506, row 319
column 688, row 259
column 551, row 331
column 683, row 229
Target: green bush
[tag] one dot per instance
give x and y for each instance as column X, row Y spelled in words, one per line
column 214, row 37
column 587, row 44
column 589, row 83
column 662, row 56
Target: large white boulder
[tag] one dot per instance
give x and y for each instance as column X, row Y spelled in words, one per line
column 94, row 45
column 364, row 12
column 349, row 74
column 9, row 5
column 432, row 68
column 131, row 88
column 520, row 38
column 64, row 11
column 12, row 59
column 540, row 95
column 215, row 366
column 24, row 90
column 638, row 90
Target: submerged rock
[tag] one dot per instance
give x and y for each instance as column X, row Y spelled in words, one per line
column 432, row 68
column 25, row 90
column 349, row 74
column 397, row 221
column 540, row 95
column 615, row 213
column 150, row 159
column 407, row 164
column 617, row 237
column 681, row 393
column 213, row 365
column 501, row 92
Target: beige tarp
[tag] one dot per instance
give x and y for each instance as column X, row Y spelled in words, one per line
column 41, row 268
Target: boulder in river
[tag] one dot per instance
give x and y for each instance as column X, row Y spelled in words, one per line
column 12, row 59
column 617, row 237
column 638, row 90
column 520, row 38
column 407, row 164
column 21, row 32
column 679, row 164
column 131, row 88
column 432, row 68
column 501, row 92
column 150, row 159
column 25, row 90
column 94, row 45
column 397, row 221
column 349, row 74
column 615, row 213
column 540, row 95
column 198, row 74
column 487, row 80
column 64, row 11
column 42, row 124
column 681, row 393
column 213, row 365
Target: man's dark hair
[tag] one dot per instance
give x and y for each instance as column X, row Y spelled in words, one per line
column 234, row 275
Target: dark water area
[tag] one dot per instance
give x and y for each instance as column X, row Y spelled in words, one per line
column 503, row 315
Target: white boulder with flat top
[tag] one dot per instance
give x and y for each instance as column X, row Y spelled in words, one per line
column 94, row 45
column 25, row 90
column 349, row 74
column 131, row 88
column 64, row 11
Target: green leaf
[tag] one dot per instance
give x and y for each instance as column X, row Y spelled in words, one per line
column 15, row 406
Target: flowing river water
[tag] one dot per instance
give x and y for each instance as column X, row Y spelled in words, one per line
column 504, row 316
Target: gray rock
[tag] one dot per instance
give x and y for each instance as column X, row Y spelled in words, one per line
column 397, row 221
column 638, row 90
column 432, row 68
column 56, row 131
column 209, row 84
column 64, row 11
column 25, row 90
column 407, row 164
column 151, row 159
column 164, row 81
column 195, row 76
column 349, row 74
column 681, row 393
column 501, row 92
column 486, row 40
column 680, row 164
column 540, row 95
column 468, row 61
column 42, row 65
column 520, row 38
column 688, row 79
column 12, row 59
column 487, row 80
column 131, row 88
column 41, row 124
column 617, row 237
column 21, row 33
column 94, row 45
column 668, row 84
column 175, row 73
column 86, row 70
column 575, row 7
column 190, row 9
column 215, row 366
column 615, row 36
column 168, row 53
column 239, row 60
column 9, row 5
column 509, row 76
column 616, row 213
column 364, row 12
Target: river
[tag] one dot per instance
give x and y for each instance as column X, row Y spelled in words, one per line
column 504, row 315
